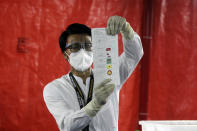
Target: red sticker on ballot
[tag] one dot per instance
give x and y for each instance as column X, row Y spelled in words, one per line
column 108, row 49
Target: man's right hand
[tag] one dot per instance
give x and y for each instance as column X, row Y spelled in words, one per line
column 102, row 91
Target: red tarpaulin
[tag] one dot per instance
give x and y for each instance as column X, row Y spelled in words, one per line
column 163, row 86
column 172, row 85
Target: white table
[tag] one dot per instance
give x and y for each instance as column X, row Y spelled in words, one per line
column 178, row 125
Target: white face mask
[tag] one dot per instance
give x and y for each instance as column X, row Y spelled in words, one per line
column 81, row 60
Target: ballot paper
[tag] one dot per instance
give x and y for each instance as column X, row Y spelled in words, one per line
column 105, row 56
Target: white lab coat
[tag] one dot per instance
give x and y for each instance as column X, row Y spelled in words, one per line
column 61, row 99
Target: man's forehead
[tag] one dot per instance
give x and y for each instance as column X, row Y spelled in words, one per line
column 79, row 38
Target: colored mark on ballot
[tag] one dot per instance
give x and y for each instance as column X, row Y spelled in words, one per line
column 108, row 60
column 109, row 72
column 109, row 66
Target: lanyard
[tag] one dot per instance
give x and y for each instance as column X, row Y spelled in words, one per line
column 79, row 92
column 80, row 95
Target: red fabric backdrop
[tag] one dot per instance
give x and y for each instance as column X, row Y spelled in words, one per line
column 163, row 85
column 172, row 85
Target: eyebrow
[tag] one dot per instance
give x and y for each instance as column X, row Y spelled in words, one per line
column 89, row 42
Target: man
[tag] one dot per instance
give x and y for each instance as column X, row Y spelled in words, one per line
column 73, row 100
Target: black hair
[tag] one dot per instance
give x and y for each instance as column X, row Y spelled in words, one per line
column 74, row 28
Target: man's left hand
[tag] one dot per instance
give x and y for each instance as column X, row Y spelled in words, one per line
column 117, row 24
